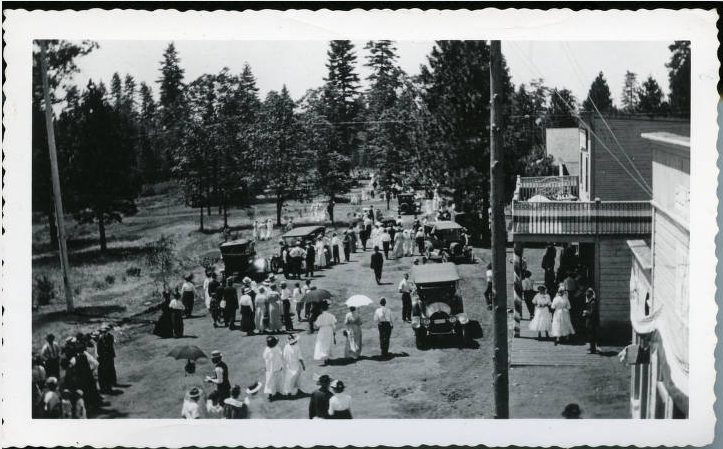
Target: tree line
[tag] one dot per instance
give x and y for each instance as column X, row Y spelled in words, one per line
column 226, row 146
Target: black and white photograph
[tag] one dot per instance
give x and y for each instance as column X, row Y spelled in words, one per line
column 398, row 227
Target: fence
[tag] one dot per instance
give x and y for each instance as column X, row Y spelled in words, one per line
column 553, row 187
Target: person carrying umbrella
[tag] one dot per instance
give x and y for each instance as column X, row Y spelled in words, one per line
column 223, row 386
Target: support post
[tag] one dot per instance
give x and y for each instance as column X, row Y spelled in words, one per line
column 499, row 236
column 59, row 215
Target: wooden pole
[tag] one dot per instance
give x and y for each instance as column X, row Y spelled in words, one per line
column 499, row 235
column 59, row 217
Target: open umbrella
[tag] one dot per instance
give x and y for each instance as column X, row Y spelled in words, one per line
column 317, row 295
column 358, row 301
column 189, row 352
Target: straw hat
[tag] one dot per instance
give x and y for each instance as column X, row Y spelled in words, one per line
column 194, row 393
column 254, row 388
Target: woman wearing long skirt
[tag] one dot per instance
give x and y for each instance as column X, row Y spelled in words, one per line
column 176, row 309
column 353, row 334
column 164, row 326
column 320, row 260
column 561, row 324
column 399, row 243
column 274, row 367
column 255, row 403
column 255, row 231
column 261, row 309
column 247, row 312
column 543, row 319
column 293, row 366
column 326, row 323
column 275, row 310
column 269, row 228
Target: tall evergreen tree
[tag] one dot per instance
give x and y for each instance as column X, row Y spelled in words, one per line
column 679, row 77
column 563, row 109
column 341, row 92
column 129, row 95
column 149, row 160
column 629, row 99
column 650, row 97
column 116, row 91
column 171, row 107
column 386, row 75
column 599, row 95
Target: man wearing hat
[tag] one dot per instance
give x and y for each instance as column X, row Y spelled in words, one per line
column 51, row 356
column 592, row 318
column 319, row 402
column 106, row 360
column 383, row 318
column 188, row 294
column 230, row 297
column 296, row 255
column 376, row 264
column 310, row 259
column 223, row 386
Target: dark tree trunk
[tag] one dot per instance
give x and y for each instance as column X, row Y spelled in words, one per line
column 225, row 211
column 50, row 212
column 208, row 201
column 330, row 209
column 101, row 230
column 201, row 210
column 279, row 206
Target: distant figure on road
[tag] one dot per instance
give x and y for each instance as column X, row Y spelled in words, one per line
column 188, row 294
column 293, row 366
column 310, row 259
column 405, row 288
column 176, row 309
column 383, row 318
column 247, row 312
column 106, row 360
column 419, row 239
column 262, row 310
column 274, row 367
column 275, row 310
column 269, row 228
column 319, row 402
column 561, row 325
column 377, row 263
column 488, row 292
column 230, row 297
column 528, row 292
column 220, row 377
column 326, row 323
column 255, row 231
column 386, row 239
column 353, row 322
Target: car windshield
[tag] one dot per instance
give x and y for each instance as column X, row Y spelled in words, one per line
column 430, row 294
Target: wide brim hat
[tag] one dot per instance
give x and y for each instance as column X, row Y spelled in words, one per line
column 541, row 288
column 324, row 379
column 271, row 341
column 52, row 380
column 104, row 328
column 188, row 277
column 194, row 393
column 293, row 339
column 337, row 386
column 246, row 280
column 216, row 354
column 253, row 389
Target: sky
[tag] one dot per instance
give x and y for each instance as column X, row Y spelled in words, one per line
column 301, row 64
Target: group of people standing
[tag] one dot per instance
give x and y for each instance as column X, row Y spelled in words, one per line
column 262, row 230
column 67, row 381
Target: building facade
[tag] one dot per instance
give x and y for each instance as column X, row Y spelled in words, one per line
column 659, row 285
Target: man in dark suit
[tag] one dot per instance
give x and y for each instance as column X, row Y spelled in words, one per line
column 319, row 402
column 310, row 258
column 377, row 263
column 231, row 297
column 592, row 318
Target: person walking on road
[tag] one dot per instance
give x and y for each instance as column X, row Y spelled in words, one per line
column 347, row 242
column 353, row 332
column 383, row 318
column 188, row 294
column 310, row 259
column 220, row 378
column 377, row 263
column 230, row 297
column 405, row 288
column 262, row 310
column 419, row 239
column 386, row 239
column 591, row 314
column 488, row 292
column 528, row 292
column 293, row 366
column 273, row 359
column 561, row 325
column 247, row 312
column 319, row 401
column 326, row 323
column 543, row 318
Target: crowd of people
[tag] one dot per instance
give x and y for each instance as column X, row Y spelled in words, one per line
column 68, row 381
column 574, row 309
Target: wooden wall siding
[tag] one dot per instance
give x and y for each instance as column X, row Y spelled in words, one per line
column 671, row 246
column 615, row 260
column 609, row 181
column 671, row 183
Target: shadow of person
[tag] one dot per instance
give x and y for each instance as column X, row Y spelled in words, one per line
column 293, row 397
column 384, row 358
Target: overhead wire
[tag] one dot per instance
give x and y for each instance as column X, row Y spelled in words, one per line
column 574, row 64
column 532, row 66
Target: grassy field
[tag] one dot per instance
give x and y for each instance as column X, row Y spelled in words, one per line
column 436, row 383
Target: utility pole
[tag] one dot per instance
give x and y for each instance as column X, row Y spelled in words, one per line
column 499, row 236
column 59, row 217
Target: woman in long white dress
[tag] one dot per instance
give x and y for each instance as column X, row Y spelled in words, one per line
column 320, row 257
column 255, row 403
column 293, row 366
column 269, row 228
column 561, row 324
column 261, row 309
column 273, row 360
column 399, row 243
column 255, row 231
column 326, row 323
column 543, row 318
column 353, row 334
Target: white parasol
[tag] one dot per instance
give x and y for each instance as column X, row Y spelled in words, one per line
column 358, row 301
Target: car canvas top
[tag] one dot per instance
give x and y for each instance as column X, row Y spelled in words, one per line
column 239, row 242
column 433, row 273
column 442, row 225
column 302, row 231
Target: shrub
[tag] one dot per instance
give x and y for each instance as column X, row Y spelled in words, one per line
column 110, row 279
column 44, row 291
column 161, row 258
column 133, row 271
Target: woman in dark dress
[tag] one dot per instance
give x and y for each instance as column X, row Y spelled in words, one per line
column 164, row 327
column 247, row 311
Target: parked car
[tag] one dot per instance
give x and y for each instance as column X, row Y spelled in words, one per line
column 240, row 258
column 303, row 234
column 438, row 308
column 408, row 204
column 446, row 242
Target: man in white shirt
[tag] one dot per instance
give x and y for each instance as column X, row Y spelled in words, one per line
column 405, row 288
column 488, row 291
column 383, row 318
column 386, row 240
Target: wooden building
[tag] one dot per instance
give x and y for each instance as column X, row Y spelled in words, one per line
column 659, row 287
column 599, row 211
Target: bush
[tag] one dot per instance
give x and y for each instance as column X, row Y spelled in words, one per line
column 133, row 271
column 110, row 279
column 44, row 291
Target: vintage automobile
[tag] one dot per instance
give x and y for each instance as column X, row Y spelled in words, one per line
column 239, row 256
column 303, row 234
column 438, row 308
column 408, row 204
column 446, row 242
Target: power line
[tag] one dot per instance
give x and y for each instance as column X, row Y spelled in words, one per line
column 570, row 57
column 588, row 127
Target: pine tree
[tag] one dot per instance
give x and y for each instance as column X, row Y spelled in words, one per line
column 650, row 97
column 386, row 76
column 563, row 109
column 171, row 107
column 129, row 95
column 599, row 95
column 679, row 77
column 341, row 92
column 149, row 160
column 116, row 91
column 629, row 99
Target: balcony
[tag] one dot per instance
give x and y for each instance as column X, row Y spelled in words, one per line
column 546, row 208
